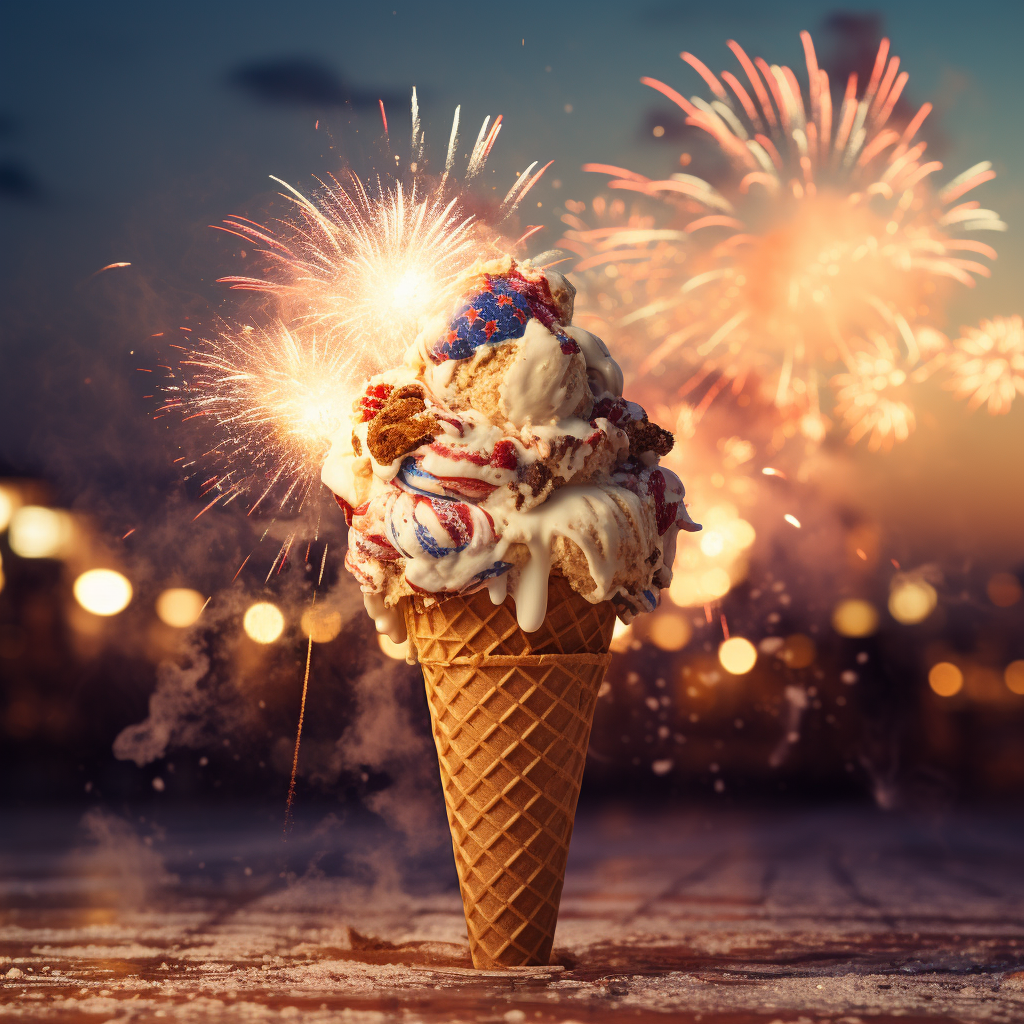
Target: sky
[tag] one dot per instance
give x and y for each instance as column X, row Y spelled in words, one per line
column 127, row 129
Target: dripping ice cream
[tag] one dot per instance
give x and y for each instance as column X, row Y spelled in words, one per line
column 501, row 452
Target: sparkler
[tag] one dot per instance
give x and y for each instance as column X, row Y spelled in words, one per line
column 987, row 364
column 828, row 227
column 353, row 274
column 275, row 397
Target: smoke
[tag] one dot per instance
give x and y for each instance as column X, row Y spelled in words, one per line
column 366, row 728
column 116, row 851
column 796, row 704
column 384, row 735
column 180, row 714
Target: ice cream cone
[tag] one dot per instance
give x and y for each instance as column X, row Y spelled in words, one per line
column 503, row 450
column 511, row 715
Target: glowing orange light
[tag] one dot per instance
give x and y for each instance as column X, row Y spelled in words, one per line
column 8, row 504
column 872, row 397
column 670, row 631
column 855, row 618
column 263, row 622
column 1004, row 590
column 321, row 625
column 38, row 532
column 987, row 364
column 945, row 679
column 622, row 637
column 1014, row 677
column 912, row 600
column 399, row 652
column 179, row 607
column 102, row 591
column 798, row 651
column 737, row 655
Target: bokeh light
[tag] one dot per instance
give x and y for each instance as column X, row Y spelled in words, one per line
column 706, row 571
column 945, row 679
column 911, row 600
column 798, row 651
column 263, row 622
column 670, row 631
column 622, row 637
column 8, row 503
column 737, row 655
column 37, row 532
column 855, row 618
column 179, row 606
column 1014, row 677
column 1004, row 589
column 712, row 544
column 400, row 652
column 692, row 589
column 321, row 625
column 102, row 591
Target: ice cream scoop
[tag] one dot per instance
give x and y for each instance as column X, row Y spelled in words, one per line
column 502, row 451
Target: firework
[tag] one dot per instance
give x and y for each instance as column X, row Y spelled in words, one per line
column 721, row 482
column 827, row 227
column 274, row 397
column 353, row 274
column 986, row 365
column 872, row 397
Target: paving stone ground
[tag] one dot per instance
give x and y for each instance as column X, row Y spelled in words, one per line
column 801, row 917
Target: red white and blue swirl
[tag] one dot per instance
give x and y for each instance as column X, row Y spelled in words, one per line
column 497, row 313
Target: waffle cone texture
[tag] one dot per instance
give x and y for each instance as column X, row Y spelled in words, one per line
column 511, row 714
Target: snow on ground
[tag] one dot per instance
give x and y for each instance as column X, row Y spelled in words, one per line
column 841, row 916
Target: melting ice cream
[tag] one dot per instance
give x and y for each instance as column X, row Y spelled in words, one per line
column 501, row 451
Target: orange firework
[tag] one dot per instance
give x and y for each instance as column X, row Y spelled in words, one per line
column 353, row 276
column 987, row 364
column 827, row 228
column 274, row 397
column 872, row 397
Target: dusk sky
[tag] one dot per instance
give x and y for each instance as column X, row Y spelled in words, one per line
column 127, row 129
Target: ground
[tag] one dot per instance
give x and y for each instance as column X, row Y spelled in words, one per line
column 728, row 917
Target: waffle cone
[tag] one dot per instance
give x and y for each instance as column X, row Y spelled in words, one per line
column 511, row 714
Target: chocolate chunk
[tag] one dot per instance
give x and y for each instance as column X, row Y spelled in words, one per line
column 401, row 426
column 645, row 436
column 536, row 479
column 536, row 476
column 565, row 446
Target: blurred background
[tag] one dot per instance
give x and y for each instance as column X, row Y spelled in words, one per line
column 871, row 599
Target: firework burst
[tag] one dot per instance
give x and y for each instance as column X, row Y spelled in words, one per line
column 873, row 396
column 828, row 227
column 986, row 365
column 273, row 397
column 353, row 274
